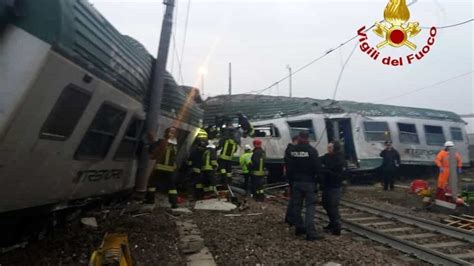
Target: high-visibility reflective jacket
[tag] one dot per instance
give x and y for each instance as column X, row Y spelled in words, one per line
column 228, row 149
column 257, row 165
column 165, row 155
column 244, row 161
column 209, row 160
column 195, row 159
column 442, row 161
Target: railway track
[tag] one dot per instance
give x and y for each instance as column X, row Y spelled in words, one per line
column 427, row 240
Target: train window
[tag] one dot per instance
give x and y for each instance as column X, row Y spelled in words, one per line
column 305, row 125
column 266, row 131
column 377, row 131
column 101, row 133
column 456, row 134
column 65, row 114
column 434, row 135
column 408, row 134
column 130, row 141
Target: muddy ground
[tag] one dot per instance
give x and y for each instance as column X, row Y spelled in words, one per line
column 152, row 241
column 266, row 239
column 248, row 240
column 402, row 200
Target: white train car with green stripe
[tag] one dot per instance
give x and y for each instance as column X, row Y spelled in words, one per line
column 73, row 98
column 417, row 133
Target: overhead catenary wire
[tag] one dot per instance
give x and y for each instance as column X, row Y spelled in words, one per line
column 185, row 33
column 451, row 25
column 427, row 87
column 341, row 45
column 175, row 26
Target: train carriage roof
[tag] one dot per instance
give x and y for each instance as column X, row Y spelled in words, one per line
column 76, row 30
column 259, row 107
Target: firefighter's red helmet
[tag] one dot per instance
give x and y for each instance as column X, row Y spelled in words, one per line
column 257, row 143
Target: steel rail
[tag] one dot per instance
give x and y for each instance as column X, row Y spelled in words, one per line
column 416, row 250
column 415, row 221
column 425, row 254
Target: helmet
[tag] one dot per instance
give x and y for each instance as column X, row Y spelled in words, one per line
column 257, row 143
column 247, row 147
column 201, row 134
column 448, row 144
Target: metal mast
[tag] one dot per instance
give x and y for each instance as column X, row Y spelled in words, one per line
column 156, row 92
column 230, row 78
column 291, row 85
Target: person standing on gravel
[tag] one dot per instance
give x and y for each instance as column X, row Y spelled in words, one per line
column 303, row 167
column 333, row 167
column 164, row 153
column 244, row 162
column 390, row 165
column 257, row 170
column 289, row 217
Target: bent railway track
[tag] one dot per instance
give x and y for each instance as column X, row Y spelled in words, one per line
column 427, row 240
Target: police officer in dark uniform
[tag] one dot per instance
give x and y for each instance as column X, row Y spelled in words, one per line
column 289, row 216
column 303, row 168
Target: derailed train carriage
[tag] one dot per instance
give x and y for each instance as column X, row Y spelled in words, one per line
column 417, row 133
column 73, row 99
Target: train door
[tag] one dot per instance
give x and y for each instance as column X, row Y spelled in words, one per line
column 340, row 129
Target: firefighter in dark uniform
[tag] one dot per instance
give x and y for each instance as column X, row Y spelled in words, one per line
column 303, row 168
column 164, row 153
column 246, row 126
column 208, row 170
column 257, row 169
column 228, row 145
column 195, row 163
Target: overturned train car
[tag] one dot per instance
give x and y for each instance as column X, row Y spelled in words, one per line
column 417, row 133
column 73, row 99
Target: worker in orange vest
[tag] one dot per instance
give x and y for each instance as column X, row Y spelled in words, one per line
column 442, row 161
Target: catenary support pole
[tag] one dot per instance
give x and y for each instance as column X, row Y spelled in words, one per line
column 156, row 93
column 230, row 78
column 290, row 76
column 453, row 173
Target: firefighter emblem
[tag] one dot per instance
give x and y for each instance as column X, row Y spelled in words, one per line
column 395, row 28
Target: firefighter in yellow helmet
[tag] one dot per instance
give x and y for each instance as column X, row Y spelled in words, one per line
column 164, row 153
column 228, row 145
column 195, row 163
column 208, row 170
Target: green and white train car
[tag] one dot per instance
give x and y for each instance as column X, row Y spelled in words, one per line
column 417, row 133
column 73, row 99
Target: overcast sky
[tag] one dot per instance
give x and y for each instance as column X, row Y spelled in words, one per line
column 262, row 37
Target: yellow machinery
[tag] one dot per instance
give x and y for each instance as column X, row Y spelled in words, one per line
column 114, row 250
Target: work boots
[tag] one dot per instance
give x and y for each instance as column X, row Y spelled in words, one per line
column 173, row 200
column 314, row 237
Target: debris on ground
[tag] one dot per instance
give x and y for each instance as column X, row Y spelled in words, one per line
column 90, row 222
column 214, row 205
column 266, row 239
column 153, row 240
column 192, row 244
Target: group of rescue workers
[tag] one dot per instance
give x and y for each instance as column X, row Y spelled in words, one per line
column 391, row 164
column 305, row 169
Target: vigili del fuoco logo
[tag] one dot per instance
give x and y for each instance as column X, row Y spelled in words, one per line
column 397, row 31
